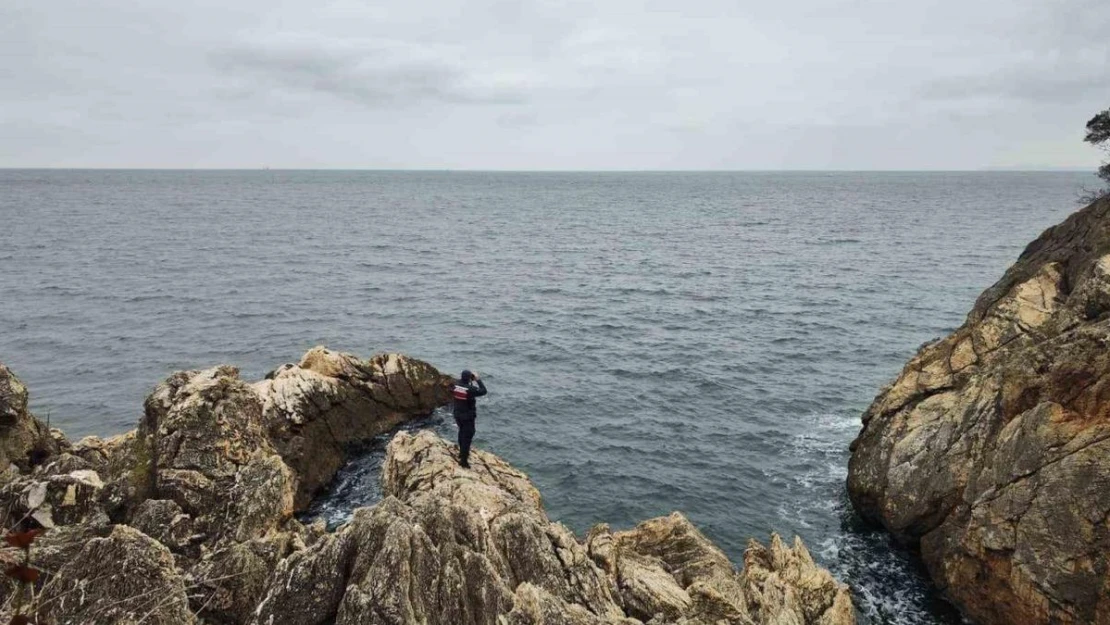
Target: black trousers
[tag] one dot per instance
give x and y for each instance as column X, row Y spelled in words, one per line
column 466, row 435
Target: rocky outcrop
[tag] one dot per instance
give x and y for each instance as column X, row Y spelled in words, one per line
column 190, row 519
column 991, row 450
column 314, row 410
column 210, row 475
column 666, row 567
column 24, row 440
column 474, row 547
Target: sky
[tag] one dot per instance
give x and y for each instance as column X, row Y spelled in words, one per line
column 539, row 85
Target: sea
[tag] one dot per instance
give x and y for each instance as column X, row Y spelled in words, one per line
column 702, row 342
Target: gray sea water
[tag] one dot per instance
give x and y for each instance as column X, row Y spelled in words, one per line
column 704, row 342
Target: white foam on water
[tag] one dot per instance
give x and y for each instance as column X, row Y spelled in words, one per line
column 887, row 589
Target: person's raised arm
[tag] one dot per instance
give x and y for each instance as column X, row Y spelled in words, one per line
column 481, row 390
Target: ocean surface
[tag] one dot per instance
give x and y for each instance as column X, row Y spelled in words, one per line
column 704, row 342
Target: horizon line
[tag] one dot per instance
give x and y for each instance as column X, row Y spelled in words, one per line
column 557, row 171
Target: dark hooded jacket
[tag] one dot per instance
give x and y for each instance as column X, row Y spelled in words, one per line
column 465, row 392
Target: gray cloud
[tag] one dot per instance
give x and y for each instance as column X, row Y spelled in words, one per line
column 575, row 84
column 375, row 74
column 1059, row 54
column 1030, row 86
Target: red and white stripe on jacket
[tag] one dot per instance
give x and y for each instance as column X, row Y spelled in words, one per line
column 461, row 392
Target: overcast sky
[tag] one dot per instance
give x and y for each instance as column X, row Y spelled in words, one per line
column 594, row 84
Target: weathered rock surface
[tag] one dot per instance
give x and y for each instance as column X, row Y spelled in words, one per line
column 991, row 450
column 474, row 547
column 666, row 568
column 204, row 475
column 125, row 578
column 24, row 440
column 190, row 519
column 315, row 409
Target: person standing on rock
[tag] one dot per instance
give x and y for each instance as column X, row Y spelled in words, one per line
column 466, row 390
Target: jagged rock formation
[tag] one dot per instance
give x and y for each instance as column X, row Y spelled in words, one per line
column 666, row 567
column 190, row 519
column 475, row 547
column 204, row 476
column 991, row 450
column 313, row 411
column 24, row 440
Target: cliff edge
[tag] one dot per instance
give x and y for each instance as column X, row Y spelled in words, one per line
column 991, row 449
column 190, row 519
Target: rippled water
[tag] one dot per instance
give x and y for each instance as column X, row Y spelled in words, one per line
column 702, row 342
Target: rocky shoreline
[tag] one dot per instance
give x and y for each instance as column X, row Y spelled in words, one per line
column 190, row 519
column 991, row 450
column 990, row 454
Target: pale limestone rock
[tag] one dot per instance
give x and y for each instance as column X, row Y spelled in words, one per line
column 126, row 578
column 669, row 572
column 474, row 547
column 992, row 448
column 316, row 409
column 209, row 454
column 213, row 476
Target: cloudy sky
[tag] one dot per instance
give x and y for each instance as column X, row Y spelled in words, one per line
column 537, row 84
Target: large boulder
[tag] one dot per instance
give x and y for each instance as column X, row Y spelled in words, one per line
column 213, row 489
column 125, row 578
column 991, row 450
column 24, row 440
column 207, row 451
column 475, row 547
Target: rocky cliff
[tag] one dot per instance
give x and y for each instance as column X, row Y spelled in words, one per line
column 991, row 450
column 189, row 519
column 200, row 499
